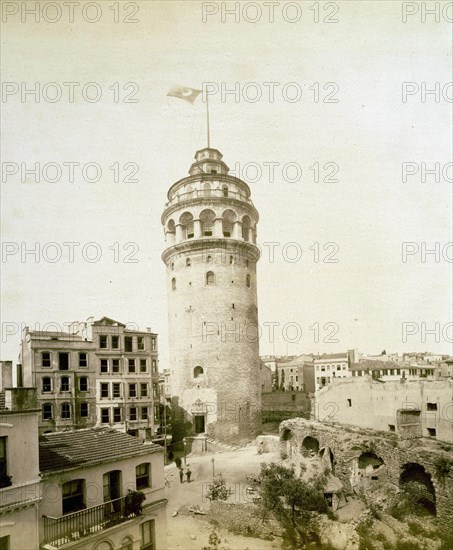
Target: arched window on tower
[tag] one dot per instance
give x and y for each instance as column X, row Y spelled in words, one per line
column 227, row 228
column 190, row 192
column 225, row 190
column 228, row 219
column 207, row 218
column 210, row 278
column 207, row 189
column 171, row 231
column 186, row 221
column 247, row 280
column 173, row 284
column 188, row 262
column 246, row 228
column 197, row 371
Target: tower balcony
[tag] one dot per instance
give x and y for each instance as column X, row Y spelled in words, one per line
column 208, row 194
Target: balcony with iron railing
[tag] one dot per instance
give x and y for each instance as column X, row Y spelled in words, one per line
column 206, row 194
column 72, row 527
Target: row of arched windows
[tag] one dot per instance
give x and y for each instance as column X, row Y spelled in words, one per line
column 207, row 218
column 210, row 280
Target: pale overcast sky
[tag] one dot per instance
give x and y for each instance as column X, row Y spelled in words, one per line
column 368, row 133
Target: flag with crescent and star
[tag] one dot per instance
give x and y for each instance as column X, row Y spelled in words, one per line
column 183, row 92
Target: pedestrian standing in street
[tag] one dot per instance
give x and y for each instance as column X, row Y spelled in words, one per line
column 181, row 475
column 188, row 474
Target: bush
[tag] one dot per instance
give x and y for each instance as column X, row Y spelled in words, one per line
column 416, row 529
column 218, row 490
column 442, row 466
column 407, row 545
column 366, row 538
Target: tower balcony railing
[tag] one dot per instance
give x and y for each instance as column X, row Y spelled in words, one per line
column 72, row 527
column 206, row 194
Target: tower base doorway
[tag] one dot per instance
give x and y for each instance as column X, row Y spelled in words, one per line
column 199, row 424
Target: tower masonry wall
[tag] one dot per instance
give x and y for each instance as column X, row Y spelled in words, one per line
column 214, row 326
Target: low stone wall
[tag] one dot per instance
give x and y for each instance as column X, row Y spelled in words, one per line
column 268, row 443
column 243, row 519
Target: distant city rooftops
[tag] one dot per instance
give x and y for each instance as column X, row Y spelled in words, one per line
column 299, row 361
column 86, row 447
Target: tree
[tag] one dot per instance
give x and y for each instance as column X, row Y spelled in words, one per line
column 218, row 490
column 294, row 503
column 275, row 381
column 282, row 381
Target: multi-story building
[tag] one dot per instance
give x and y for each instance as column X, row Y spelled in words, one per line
column 127, row 378
column 61, row 366
column 211, row 257
column 98, row 373
column 105, row 490
column 20, row 494
column 291, row 373
column 165, row 386
column 388, row 370
column 329, row 366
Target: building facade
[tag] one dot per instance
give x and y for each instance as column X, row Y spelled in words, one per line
column 20, row 494
column 329, row 366
column 423, row 408
column 210, row 230
column 105, row 491
column 98, row 373
column 127, row 378
column 291, row 373
column 61, row 366
column 390, row 371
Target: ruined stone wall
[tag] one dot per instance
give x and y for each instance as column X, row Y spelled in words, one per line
column 348, row 444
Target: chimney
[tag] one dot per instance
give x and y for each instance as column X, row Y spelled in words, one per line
column 148, row 329
column 19, row 376
column 6, row 375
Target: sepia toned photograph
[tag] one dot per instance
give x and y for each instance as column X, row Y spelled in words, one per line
column 226, row 275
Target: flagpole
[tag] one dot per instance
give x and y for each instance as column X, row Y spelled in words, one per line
column 207, row 120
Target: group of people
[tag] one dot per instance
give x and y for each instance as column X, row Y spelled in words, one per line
column 181, row 474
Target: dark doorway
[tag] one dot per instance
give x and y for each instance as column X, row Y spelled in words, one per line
column 310, row 444
column 199, row 424
column 418, row 487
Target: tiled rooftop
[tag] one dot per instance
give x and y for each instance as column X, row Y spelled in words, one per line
column 375, row 364
column 64, row 450
column 330, row 356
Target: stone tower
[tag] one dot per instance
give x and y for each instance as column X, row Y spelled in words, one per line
column 211, row 255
